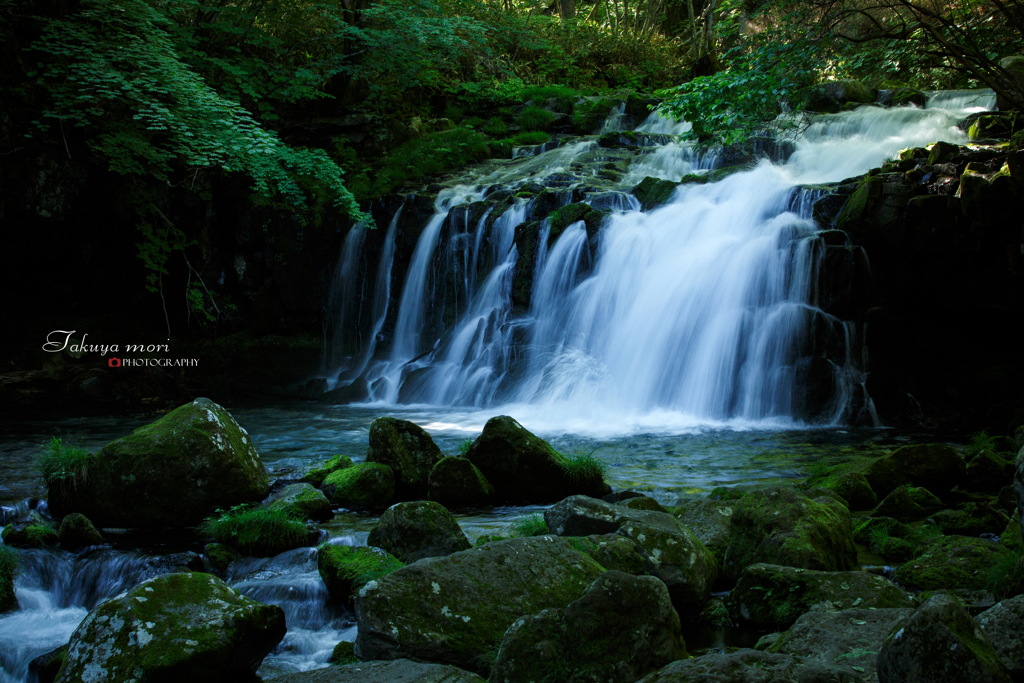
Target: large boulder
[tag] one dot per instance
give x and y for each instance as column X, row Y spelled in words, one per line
column 316, row 475
column 1004, row 626
column 76, row 531
column 523, row 468
column 939, row 643
column 743, row 666
column 456, row 482
column 622, row 628
column 397, row 671
column 778, row 525
column 346, row 569
column 34, row 532
column 674, row 554
column 971, row 519
column 456, row 609
column 174, row 627
column 368, row 485
column 907, row 503
column 408, row 450
column 709, row 520
column 172, row 472
column 770, row 596
column 951, row 562
column 412, row 531
column 847, row 640
column 301, row 501
column 934, row 466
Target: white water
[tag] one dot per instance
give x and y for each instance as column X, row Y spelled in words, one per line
column 692, row 314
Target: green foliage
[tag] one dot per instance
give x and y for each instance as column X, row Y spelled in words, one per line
column 583, row 467
column 981, row 442
column 530, row 525
column 564, row 98
column 9, row 563
column 1006, row 577
column 63, row 465
column 464, row 447
column 535, row 118
column 495, row 127
column 454, row 113
column 430, row 155
column 503, row 148
column 255, row 531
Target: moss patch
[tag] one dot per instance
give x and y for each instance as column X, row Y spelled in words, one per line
column 345, row 569
column 367, row 485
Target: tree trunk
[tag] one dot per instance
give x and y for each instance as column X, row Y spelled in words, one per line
column 567, row 8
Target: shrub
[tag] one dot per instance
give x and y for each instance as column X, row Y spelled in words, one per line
column 564, row 98
column 535, row 118
column 530, row 525
column 453, row 113
column 256, row 531
column 495, row 127
column 474, row 122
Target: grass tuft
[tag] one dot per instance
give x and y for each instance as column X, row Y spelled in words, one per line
column 530, row 525
column 65, row 466
column 583, row 467
column 464, row 447
column 255, row 531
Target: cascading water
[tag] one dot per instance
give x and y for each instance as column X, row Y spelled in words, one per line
column 698, row 312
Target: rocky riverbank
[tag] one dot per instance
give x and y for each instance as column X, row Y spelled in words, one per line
column 603, row 586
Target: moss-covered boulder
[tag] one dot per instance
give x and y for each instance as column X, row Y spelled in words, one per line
column 170, row 473
column 941, row 152
column 845, row 641
column 971, row 519
column 412, row 531
column 346, row 569
column 622, row 628
column 186, row 627
column 614, row 552
column 523, row 468
column 885, row 536
column 908, row 503
column 988, row 471
column 653, row 192
column 76, row 531
column 854, row 488
column 934, row 466
column 344, row 653
column 317, row 475
column 570, row 213
column 33, row 533
column 939, row 643
column 220, row 556
column 302, row 501
column 778, row 525
column 709, row 520
column 456, row 482
column 368, row 485
column 9, row 563
column 408, row 450
column 398, row 671
column 742, row 666
column 951, row 562
column 456, row 609
column 642, row 503
column 674, row 554
column 1004, row 626
column 770, row 596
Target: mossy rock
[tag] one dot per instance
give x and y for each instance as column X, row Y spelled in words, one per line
column 399, row 671
column 971, row 519
column 412, row 531
column 190, row 627
column 936, row 467
column 569, row 214
column 951, row 562
column 709, row 520
column 888, row 537
column 408, row 450
column 855, row 489
column 622, row 628
column 170, row 473
column 523, row 468
column 343, row 653
column 317, row 475
column 346, row 569
column 643, row 503
column 34, row 533
column 76, row 531
column 777, row 525
column 456, row 482
column 1010, row 538
column 653, row 192
column 988, row 471
column 302, row 501
column 368, row 485
column 726, row 493
column 613, row 551
column 939, row 643
column 864, row 200
column 715, row 613
column 456, row 609
column 941, row 152
column 220, row 555
column 588, row 115
column 771, row 596
column 1003, row 624
column 908, row 503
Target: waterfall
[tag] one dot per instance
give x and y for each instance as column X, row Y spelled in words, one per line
column 701, row 311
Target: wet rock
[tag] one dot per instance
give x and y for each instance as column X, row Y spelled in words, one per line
column 642, row 503
column 709, row 520
column 397, row 671
column 9, row 562
column 317, row 475
column 456, row 482
column 456, row 609
column 170, row 473
column 45, row 667
column 1004, row 626
column 76, row 531
column 847, row 640
column 302, row 501
column 901, row 97
column 190, row 627
column 33, row 533
column 988, row 471
column 939, row 643
column 953, row 562
column 344, row 653
column 412, row 531
column 936, row 467
column 971, row 519
column 908, row 503
column 220, row 556
column 653, row 192
column 368, row 485
column 408, row 450
column 674, row 554
column 854, row 488
column 941, row 152
column 346, row 569
column 742, row 666
column 355, row 392
column 524, row 468
column 622, row 628
column 778, row 525
column 770, row 596
column 612, row 551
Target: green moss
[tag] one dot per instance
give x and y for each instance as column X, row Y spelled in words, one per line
column 317, row 475
column 535, row 118
column 861, row 202
column 220, row 556
column 464, row 447
column 495, row 127
column 588, row 115
column 9, row 565
column 256, row 531
column 564, row 98
column 725, row 493
column 32, row 534
column 345, row 569
column 457, row 482
column 952, row 562
column 653, row 192
column 530, row 525
column 366, row 485
column 1006, row 577
column 432, row 154
column 344, row 653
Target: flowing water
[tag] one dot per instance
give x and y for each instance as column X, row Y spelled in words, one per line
column 666, row 350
